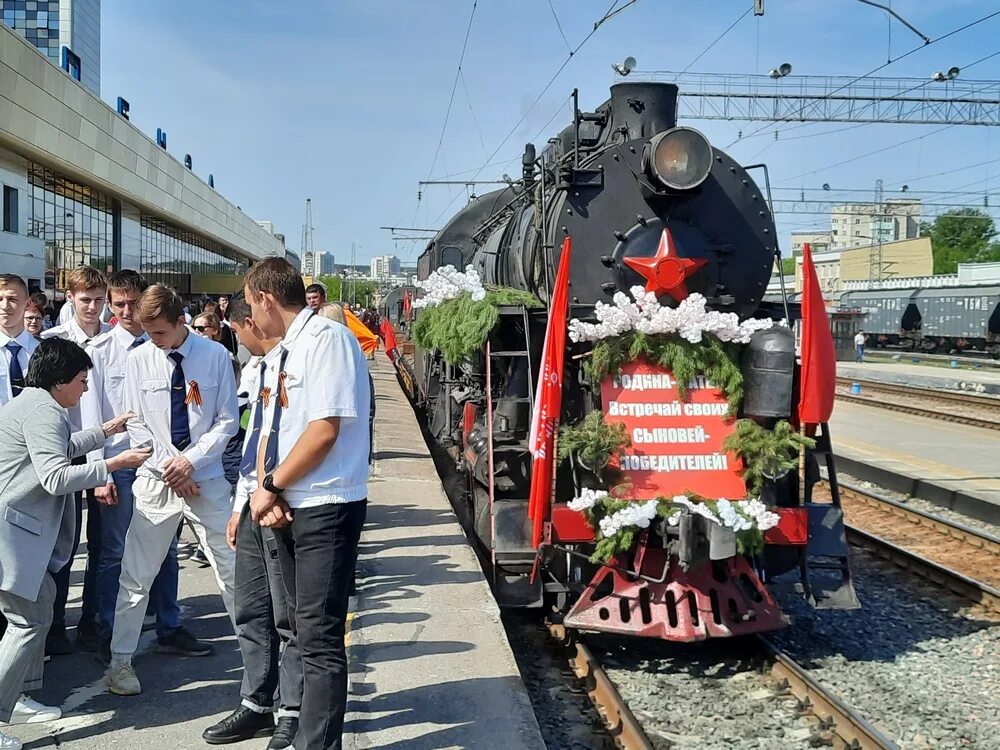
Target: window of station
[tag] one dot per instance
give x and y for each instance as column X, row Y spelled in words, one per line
column 75, row 221
column 170, row 255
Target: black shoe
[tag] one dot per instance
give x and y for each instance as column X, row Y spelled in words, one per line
column 103, row 653
column 56, row 642
column 200, row 558
column 241, row 724
column 182, row 643
column 86, row 636
column 284, row 733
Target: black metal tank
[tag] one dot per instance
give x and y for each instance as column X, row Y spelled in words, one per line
column 597, row 190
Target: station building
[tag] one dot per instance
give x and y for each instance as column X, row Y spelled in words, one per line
column 83, row 186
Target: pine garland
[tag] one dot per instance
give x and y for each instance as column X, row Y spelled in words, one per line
column 459, row 327
column 712, row 358
column 766, row 453
column 593, row 441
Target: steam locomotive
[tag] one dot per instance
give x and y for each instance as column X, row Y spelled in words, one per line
column 617, row 181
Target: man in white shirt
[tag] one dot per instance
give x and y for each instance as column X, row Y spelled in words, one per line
column 859, row 347
column 16, row 344
column 104, row 400
column 181, row 387
column 87, row 289
column 263, row 628
column 313, row 470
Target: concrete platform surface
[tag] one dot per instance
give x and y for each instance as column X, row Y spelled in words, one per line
column 431, row 666
column 904, row 372
column 962, row 459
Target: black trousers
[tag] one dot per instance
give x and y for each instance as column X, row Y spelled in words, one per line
column 318, row 552
column 88, row 612
column 271, row 660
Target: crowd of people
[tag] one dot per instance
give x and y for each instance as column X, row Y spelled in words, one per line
column 249, row 420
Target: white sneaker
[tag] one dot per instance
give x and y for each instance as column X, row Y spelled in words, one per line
column 7, row 742
column 121, row 680
column 29, row 711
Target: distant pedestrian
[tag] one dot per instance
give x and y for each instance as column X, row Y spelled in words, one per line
column 859, row 347
column 315, row 296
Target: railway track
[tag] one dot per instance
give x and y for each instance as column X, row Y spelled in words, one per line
column 836, row 724
column 961, row 408
column 962, row 559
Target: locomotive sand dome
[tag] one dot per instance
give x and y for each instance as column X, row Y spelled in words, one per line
column 644, row 203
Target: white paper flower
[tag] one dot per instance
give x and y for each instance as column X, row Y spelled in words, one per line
column 448, row 283
column 690, row 319
column 587, row 499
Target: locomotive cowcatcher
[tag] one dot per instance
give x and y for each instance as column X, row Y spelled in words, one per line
column 646, row 203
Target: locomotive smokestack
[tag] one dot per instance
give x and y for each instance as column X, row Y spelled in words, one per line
column 645, row 109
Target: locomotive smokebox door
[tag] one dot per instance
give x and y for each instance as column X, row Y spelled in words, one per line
column 768, row 373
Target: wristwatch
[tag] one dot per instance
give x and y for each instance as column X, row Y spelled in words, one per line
column 268, row 484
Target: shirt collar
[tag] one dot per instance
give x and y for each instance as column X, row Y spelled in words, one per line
column 125, row 338
column 24, row 338
column 81, row 334
column 295, row 328
column 185, row 348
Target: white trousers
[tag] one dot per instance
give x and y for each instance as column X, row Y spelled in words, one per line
column 158, row 511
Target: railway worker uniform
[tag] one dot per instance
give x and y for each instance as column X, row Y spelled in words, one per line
column 271, row 659
column 185, row 402
column 104, row 400
column 17, row 353
column 321, row 370
column 86, row 628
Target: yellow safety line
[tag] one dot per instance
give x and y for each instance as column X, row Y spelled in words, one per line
column 347, row 629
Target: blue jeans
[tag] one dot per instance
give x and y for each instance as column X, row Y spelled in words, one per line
column 115, row 520
column 859, row 354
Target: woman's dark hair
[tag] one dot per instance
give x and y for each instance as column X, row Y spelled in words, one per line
column 54, row 362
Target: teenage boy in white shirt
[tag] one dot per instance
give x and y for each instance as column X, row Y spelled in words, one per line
column 87, row 290
column 181, row 387
column 313, row 471
column 103, row 401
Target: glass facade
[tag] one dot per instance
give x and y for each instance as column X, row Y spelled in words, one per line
column 78, row 222
column 170, row 255
column 75, row 221
column 37, row 21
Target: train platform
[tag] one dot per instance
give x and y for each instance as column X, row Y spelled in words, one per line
column 953, row 465
column 906, row 372
column 430, row 663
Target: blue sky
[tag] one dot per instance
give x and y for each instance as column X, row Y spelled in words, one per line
column 343, row 101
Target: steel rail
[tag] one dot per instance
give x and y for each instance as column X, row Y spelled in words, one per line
column 849, row 726
column 953, row 529
column 986, row 424
column 624, row 728
column 968, row 588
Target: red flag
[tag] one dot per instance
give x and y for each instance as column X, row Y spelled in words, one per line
column 548, row 400
column 819, row 358
column 389, row 337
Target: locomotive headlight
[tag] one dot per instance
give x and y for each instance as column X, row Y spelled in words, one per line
column 679, row 158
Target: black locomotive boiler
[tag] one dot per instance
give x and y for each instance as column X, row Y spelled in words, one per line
column 617, row 181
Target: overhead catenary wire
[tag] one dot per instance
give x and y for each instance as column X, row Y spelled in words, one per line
column 559, row 26
column 885, row 65
column 597, row 25
column 716, row 41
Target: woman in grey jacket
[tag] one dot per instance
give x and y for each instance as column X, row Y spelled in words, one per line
column 37, row 516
